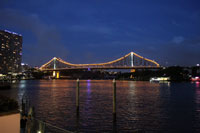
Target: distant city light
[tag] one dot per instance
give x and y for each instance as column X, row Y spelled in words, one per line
column 22, row 64
column 197, row 64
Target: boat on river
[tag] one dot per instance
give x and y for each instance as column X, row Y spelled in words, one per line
column 159, row 79
column 197, row 78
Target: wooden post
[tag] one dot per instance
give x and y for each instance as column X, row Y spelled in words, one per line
column 114, row 100
column 23, row 107
column 33, row 129
column 40, row 127
column 43, row 127
column 77, row 96
column 31, row 112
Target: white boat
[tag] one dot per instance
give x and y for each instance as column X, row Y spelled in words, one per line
column 159, row 79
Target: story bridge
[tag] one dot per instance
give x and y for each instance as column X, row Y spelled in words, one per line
column 129, row 61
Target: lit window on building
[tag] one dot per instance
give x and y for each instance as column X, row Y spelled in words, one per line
column 10, row 49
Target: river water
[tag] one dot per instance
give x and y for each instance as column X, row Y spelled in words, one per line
column 141, row 106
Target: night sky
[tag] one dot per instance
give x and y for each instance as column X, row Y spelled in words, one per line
column 95, row 31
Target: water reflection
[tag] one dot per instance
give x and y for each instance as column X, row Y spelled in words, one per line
column 197, row 88
column 141, row 106
column 197, row 84
column 88, row 87
column 196, row 123
column 22, row 90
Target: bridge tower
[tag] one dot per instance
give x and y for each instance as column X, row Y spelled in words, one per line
column 56, row 74
column 132, row 61
column 54, row 63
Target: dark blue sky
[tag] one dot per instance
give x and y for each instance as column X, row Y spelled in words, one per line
column 91, row 31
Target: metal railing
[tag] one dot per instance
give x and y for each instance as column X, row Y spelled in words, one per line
column 42, row 127
column 36, row 125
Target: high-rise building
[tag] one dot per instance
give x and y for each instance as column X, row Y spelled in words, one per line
column 10, row 52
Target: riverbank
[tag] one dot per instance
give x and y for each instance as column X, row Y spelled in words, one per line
column 9, row 115
column 8, row 105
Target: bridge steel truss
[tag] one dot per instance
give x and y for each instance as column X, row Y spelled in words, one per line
column 129, row 61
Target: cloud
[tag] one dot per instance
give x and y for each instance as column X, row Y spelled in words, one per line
column 178, row 39
column 175, row 23
column 47, row 41
column 90, row 28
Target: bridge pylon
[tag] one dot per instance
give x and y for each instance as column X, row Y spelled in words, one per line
column 56, row 74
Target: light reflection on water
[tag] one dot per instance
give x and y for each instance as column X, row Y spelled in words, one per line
column 141, row 106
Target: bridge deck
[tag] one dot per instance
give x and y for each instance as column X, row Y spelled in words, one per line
column 106, row 67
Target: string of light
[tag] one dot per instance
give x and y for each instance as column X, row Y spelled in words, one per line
column 98, row 64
